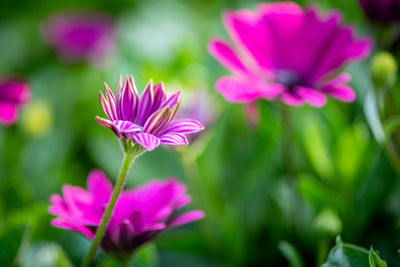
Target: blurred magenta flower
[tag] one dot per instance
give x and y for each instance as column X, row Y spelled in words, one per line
column 381, row 11
column 147, row 120
column 283, row 51
column 79, row 36
column 139, row 216
column 13, row 94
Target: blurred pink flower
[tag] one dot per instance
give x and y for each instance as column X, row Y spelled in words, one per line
column 139, row 216
column 79, row 36
column 283, row 51
column 382, row 11
column 13, row 94
column 148, row 120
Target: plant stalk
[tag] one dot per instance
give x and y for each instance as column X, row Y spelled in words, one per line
column 287, row 146
column 127, row 162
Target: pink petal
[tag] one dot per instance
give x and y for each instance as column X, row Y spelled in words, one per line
column 79, row 228
column 252, row 36
column 8, row 113
column 184, row 126
column 222, row 51
column 187, row 218
column 341, row 92
column 100, row 186
column 173, row 139
column 148, row 141
column 311, row 96
column 291, row 100
column 236, row 89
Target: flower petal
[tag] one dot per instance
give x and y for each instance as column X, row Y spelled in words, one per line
column 173, row 139
column 187, row 218
column 341, row 92
column 172, row 100
column 100, row 187
column 236, row 89
column 157, row 121
column 184, row 126
column 146, row 140
column 311, row 96
column 159, row 96
column 126, row 127
column 8, row 113
column 222, row 51
column 145, row 104
column 291, row 100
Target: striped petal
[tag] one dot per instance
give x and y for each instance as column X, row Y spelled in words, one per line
column 172, row 100
column 129, row 101
column 111, row 101
column 173, row 139
column 146, row 140
column 157, row 121
column 183, row 126
column 159, row 96
column 145, row 104
column 126, row 126
column 104, row 122
column 106, row 107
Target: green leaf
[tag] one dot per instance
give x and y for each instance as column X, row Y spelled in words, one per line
column 347, row 255
column 291, row 254
column 317, row 149
column 374, row 260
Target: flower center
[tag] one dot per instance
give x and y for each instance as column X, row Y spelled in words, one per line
column 288, row 78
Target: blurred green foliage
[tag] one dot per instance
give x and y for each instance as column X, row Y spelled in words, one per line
column 234, row 171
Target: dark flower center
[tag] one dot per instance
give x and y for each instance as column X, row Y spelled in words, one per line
column 288, row 78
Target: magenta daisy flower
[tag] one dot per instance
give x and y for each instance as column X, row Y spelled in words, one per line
column 284, row 52
column 139, row 216
column 147, row 120
column 79, row 36
column 13, row 94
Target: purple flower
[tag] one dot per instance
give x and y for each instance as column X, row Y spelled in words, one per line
column 13, row 94
column 283, row 51
column 78, row 36
column 382, row 11
column 139, row 216
column 147, row 120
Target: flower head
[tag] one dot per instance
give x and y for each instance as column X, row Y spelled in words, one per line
column 381, row 11
column 147, row 120
column 139, row 216
column 78, row 36
column 283, row 51
column 13, row 94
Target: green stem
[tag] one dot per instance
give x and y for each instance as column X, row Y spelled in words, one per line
column 323, row 249
column 393, row 155
column 287, row 147
column 389, row 144
column 126, row 165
